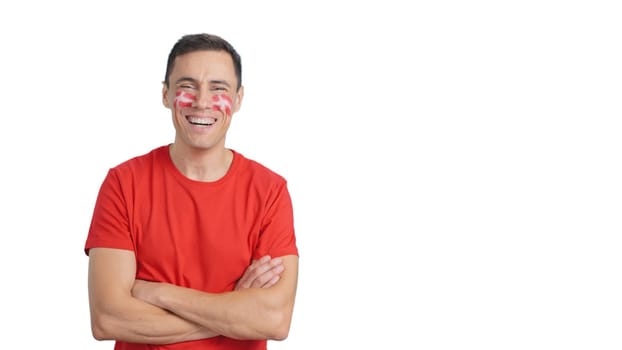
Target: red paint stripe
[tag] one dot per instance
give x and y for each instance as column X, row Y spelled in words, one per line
column 184, row 104
column 185, row 95
column 227, row 98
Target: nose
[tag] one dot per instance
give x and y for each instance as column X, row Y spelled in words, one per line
column 204, row 99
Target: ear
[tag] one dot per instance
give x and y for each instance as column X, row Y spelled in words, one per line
column 239, row 95
column 165, row 101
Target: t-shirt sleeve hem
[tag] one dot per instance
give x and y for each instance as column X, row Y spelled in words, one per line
column 280, row 252
column 107, row 245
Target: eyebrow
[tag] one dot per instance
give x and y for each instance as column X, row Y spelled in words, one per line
column 182, row 79
column 193, row 80
column 221, row 82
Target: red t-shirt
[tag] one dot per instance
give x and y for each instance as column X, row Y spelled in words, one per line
column 200, row 235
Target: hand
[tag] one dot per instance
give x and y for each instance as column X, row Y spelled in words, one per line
column 262, row 273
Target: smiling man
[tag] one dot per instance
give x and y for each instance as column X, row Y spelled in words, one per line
column 192, row 245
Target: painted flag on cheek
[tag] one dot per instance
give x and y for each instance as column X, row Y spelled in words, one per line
column 184, row 99
column 222, row 103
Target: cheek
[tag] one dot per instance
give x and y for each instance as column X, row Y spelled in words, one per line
column 222, row 103
column 184, row 99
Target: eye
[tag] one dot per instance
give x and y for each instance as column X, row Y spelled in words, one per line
column 219, row 88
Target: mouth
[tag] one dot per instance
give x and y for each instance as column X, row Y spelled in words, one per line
column 201, row 120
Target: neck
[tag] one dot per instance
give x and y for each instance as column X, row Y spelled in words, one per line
column 205, row 165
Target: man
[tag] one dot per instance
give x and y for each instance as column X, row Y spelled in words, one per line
column 192, row 245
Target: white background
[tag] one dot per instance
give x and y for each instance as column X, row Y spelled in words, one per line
column 455, row 166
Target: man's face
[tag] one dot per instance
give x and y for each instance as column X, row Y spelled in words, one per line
column 202, row 97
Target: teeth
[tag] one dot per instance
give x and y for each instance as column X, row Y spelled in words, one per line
column 203, row 121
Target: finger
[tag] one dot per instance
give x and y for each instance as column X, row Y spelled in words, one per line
column 272, row 282
column 262, row 266
column 256, row 268
column 261, row 276
column 264, row 259
column 267, row 276
column 260, row 269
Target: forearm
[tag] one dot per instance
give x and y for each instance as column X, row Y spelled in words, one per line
column 138, row 322
column 243, row 314
column 253, row 313
column 117, row 315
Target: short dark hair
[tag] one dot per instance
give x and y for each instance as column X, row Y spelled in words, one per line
column 197, row 42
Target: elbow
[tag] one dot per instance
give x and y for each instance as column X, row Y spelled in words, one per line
column 280, row 335
column 279, row 329
column 98, row 333
column 99, row 328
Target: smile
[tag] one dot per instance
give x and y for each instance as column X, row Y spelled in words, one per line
column 201, row 121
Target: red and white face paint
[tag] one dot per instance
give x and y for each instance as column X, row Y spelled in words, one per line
column 184, row 99
column 222, row 103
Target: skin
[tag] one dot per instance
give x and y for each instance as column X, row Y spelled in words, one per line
column 228, row 313
column 198, row 151
column 124, row 308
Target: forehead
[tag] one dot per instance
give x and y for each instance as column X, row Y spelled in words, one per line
column 204, row 64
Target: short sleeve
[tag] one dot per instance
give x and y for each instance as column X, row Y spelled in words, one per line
column 277, row 236
column 110, row 226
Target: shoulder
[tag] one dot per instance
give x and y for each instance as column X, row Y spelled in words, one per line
column 257, row 170
column 132, row 170
column 143, row 161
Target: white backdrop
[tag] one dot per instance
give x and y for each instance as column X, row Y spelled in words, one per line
column 454, row 166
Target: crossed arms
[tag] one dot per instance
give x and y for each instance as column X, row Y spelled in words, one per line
column 126, row 309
